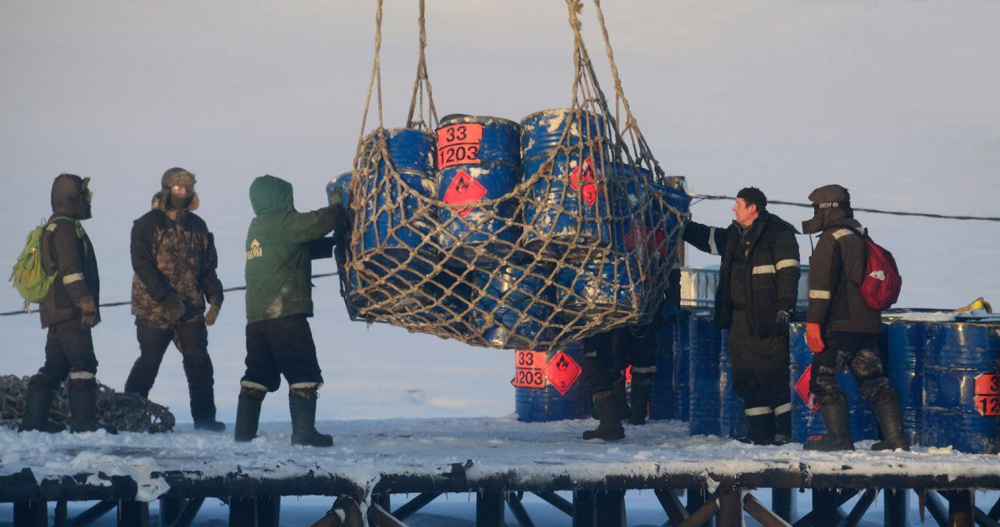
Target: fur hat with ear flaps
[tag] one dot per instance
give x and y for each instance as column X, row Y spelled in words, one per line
column 174, row 176
column 831, row 203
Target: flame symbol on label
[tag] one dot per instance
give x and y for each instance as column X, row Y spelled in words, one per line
column 462, row 185
column 562, row 364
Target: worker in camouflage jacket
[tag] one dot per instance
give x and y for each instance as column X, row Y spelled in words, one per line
column 174, row 259
column 280, row 246
column 758, row 286
column 841, row 330
column 69, row 311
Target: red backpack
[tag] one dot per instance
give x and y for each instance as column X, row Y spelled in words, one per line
column 882, row 283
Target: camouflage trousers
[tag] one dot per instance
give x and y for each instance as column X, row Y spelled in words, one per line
column 858, row 352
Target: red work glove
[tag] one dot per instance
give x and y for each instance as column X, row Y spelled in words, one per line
column 814, row 337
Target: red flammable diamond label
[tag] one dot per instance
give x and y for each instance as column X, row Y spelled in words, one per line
column 802, row 388
column 464, row 190
column 583, row 178
column 562, row 371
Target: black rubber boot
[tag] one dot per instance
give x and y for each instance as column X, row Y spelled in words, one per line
column 837, row 419
column 37, row 404
column 642, row 387
column 203, row 408
column 609, row 411
column 782, row 428
column 890, row 421
column 248, row 413
column 302, row 404
column 82, row 394
column 621, row 396
column 760, row 429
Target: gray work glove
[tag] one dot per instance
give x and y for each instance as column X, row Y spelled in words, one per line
column 781, row 321
column 175, row 307
column 212, row 314
column 88, row 312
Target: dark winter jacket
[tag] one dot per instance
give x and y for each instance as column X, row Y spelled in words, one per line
column 770, row 276
column 836, row 268
column 173, row 253
column 281, row 244
column 66, row 249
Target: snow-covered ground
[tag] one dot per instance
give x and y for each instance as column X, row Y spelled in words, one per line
column 530, row 455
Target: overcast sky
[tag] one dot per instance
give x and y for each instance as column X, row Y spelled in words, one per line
column 896, row 100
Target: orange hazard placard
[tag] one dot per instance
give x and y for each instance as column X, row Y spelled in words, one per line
column 988, row 405
column 584, row 178
column 463, row 190
column 562, row 371
column 987, row 384
column 529, row 369
column 458, row 144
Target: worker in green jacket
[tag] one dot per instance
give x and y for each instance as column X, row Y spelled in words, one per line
column 281, row 244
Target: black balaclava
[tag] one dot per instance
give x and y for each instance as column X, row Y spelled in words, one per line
column 831, row 204
column 178, row 176
column 71, row 196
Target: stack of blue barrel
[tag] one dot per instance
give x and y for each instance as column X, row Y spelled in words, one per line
column 507, row 235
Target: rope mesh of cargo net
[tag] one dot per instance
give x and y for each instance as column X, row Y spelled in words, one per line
column 125, row 411
column 583, row 242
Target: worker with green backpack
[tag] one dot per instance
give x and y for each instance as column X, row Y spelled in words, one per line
column 68, row 310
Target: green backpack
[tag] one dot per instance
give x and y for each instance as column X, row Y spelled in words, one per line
column 29, row 275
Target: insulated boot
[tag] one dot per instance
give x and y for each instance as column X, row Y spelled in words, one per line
column 203, row 407
column 760, row 429
column 782, row 427
column 890, row 420
column 37, row 404
column 620, row 396
column 302, row 404
column 610, row 413
column 82, row 395
column 642, row 387
column 837, row 419
column 211, row 425
column 248, row 413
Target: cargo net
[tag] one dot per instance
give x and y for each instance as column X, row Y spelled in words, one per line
column 511, row 235
column 125, row 411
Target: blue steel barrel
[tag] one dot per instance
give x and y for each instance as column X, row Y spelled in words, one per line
column 732, row 415
column 661, row 243
column 570, row 207
column 342, row 184
column 805, row 422
column 479, row 158
column 906, row 342
column 705, row 393
column 662, row 403
column 957, row 359
column 538, row 405
column 612, row 284
column 682, row 365
column 398, row 232
column 513, row 304
column 630, row 225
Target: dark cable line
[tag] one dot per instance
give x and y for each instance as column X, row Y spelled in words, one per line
column 697, row 199
column 873, row 211
column 116, row 304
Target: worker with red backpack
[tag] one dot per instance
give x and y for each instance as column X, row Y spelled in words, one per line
column 850, row 280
